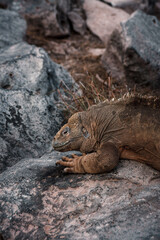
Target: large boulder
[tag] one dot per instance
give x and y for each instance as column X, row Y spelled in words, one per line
column 102, row 19
column 133, row 53
column 39, row 201
column 24, row 66
column 12, row 28
column 27, row 124
column 32, row 89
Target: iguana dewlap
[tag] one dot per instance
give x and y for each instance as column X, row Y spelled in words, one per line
column 124, row 129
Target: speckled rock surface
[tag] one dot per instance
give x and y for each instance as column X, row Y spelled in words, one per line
column 39, row 201
column 135, row 58
column 31, row 107
column 12, row 28
column 24, row 66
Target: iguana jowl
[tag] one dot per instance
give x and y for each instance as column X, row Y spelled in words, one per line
column 128, row 128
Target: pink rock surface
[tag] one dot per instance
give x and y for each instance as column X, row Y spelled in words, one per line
column 103, row 19
column 38, row 201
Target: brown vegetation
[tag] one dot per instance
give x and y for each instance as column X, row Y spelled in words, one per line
column 86, row 69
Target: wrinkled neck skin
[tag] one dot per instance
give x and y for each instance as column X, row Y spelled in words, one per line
column 97, row 123
column 89, row 143
column 84, row 131
column 100, row 124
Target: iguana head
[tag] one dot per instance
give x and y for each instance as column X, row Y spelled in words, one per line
column 71, row 135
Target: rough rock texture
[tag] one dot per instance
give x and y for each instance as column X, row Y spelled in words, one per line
column 12, row 28
column 24, row 66
column 135, row 57
column 38, row 201
column 30, row 112
column 47, row 17
column 103, row 19
column 78, row 23
column 27, row 124
column 132, row 5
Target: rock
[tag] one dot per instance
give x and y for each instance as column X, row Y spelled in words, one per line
column 45, row 17
column 78, row 23
column 96, row 52
column 132, row 5
column 38, row 201
column 12, row 28
column 103, row 19
column 57, row 48
column 27, row 125
column 5, row 3
column 48, row 18
column 120, row 3
column 158, row 5
column 24, row 66
column 134, row 56
column 31, row 107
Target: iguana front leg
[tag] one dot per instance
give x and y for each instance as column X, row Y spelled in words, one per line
column 103, row 160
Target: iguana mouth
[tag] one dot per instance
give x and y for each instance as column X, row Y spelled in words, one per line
column 59, row 146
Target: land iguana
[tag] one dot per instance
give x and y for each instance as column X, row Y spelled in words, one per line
column 128, row 128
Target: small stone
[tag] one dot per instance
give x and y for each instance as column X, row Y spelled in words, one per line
column 96, row 52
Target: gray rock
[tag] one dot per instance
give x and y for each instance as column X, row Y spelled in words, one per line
column 27, row 124
column 78, row 23
column 24, row 66
column 132, row 5
column 103, row 19
column 39, row 201
column 46, row 17
column 133, row 51
column 12, row 28
column 32, row 88
column 49, row 18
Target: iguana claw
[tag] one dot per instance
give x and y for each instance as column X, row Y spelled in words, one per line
column 73, row 164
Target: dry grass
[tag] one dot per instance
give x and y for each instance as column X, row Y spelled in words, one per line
column 95, row 94
column 86, row 70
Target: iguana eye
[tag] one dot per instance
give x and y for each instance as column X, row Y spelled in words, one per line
column 85, row 132
column 66, row 131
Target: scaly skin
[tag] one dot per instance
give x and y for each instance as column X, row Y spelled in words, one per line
column 124, row 129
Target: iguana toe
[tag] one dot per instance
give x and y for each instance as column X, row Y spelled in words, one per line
column 69, row 170
column 67, row 159
column 66, row 164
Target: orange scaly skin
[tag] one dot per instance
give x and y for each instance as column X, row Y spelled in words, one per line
column 127, row 128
